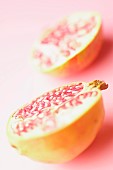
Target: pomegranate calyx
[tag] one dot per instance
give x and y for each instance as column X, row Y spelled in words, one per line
column 99, row 84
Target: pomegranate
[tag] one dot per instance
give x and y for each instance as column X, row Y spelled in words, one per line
column 70, row 46
column 60, row 124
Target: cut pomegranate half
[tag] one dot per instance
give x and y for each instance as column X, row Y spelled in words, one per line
column 60, row 124
column 69, row 46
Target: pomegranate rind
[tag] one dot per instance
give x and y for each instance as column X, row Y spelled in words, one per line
column 65, row 143
column 83, row 56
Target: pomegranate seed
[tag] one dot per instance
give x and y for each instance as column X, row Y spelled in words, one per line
column 66, row 53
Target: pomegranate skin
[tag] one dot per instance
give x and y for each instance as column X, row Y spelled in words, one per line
column 64, row 143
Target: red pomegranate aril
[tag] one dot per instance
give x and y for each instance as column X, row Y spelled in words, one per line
column 38, row 54
column 18, row 113
column 46, row 97
column 58, row 34
column 28, row 124
column 72, row 28
column 33, row 108
column 66, row 53
column 47, row 103
column 75, row 102
column 72, row 45
column 58, row 93
column 50, row 40
column 46, row 112
column 63, row 28
column 34, row 113
column 47, row 61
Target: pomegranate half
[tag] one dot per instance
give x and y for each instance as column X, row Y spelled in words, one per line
column 70, row 46
column 60, row 124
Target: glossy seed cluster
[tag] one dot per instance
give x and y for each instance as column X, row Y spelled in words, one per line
column 38, row 112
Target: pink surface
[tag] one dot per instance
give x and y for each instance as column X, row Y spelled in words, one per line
column 20, row 24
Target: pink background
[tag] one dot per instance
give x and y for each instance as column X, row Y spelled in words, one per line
column 20, row 24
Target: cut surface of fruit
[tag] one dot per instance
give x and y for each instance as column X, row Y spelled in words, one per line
column 60, row 124
column 72, row 44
